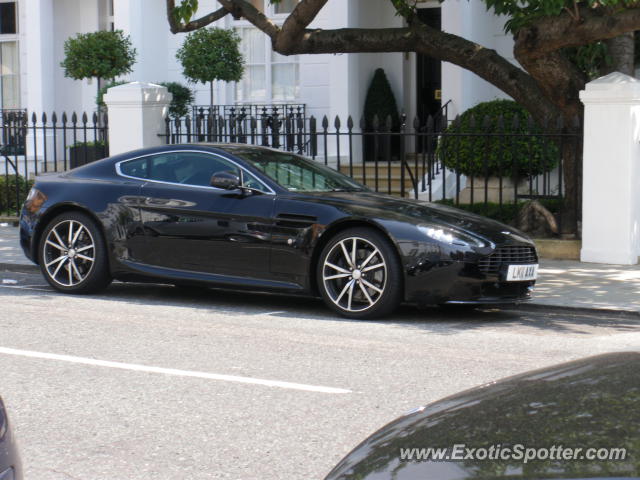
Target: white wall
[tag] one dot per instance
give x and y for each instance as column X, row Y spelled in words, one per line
column 471, row 20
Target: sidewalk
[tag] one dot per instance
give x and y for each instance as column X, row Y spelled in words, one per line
column 561, row 283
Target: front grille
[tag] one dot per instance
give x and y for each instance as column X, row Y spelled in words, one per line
column 509, row 255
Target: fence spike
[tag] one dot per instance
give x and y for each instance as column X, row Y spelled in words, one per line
column 44, row 118
column 325, row 122
column 376, row 122
column 530, row 124
column 64, row 118
column 388, row 123
column 430, row 124
column 363, row 124
column 34, row 119
column 350, row 123
column 74, row 118
column 54, row 118
column 516, row 123
column 336, row 123
column 105, row 119
column 403, row 120
column 560, row 124
column 500, row 123
column 94, row 118
column 416, row 123
column 456, row 122
column 84, row 118
column 486, row 123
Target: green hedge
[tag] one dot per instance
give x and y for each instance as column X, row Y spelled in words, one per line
column 505, row 213
column 475, row 147
column 8, row 203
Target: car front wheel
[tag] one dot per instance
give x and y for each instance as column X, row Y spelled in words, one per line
column 359, row 274
column 73, row 254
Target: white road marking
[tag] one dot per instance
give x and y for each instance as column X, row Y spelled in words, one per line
column 171, row 371
column 40, row 288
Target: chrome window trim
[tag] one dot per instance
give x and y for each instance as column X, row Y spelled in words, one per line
column 240, row 167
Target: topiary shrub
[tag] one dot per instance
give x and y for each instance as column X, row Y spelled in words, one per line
column 381, row 103
column 473, row 144
column 210, row 54
column 102, row 54
column 182, row 98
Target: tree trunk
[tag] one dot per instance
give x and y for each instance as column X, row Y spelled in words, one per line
column 621, row 51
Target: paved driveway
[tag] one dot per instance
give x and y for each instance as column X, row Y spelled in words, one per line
column 154, row 382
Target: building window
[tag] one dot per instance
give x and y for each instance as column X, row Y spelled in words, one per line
column 9, row 57
column 8, row 18
column 283, row 7
column 268, row 76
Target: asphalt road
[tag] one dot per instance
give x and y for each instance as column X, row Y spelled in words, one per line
column 155, row 382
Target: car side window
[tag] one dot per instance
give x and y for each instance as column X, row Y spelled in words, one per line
column 187, row 168
column 138, row 168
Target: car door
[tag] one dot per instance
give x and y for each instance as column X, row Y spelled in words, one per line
column 192, row 226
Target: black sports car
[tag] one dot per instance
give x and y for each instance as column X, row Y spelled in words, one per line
column 10, row 466
column 249, row 217
column 576, row 420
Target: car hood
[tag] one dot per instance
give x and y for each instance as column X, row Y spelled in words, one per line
column 375, row 205
column 591, row 403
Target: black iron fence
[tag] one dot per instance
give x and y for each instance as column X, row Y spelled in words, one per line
column 490, row 165
column 34, row 144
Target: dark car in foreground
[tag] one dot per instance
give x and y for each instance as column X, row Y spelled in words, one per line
column 10, row 466
column 575, row 420
column 247, row 217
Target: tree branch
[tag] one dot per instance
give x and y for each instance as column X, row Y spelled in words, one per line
column 484, row 62
column 295, row 24
column 553, row 33
column 242, row 8
column 177, row 27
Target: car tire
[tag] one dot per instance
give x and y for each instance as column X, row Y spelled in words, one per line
column 73, row 255
column 372, row 286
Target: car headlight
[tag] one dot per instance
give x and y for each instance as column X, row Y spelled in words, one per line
column 34, row 200
column 449, row 236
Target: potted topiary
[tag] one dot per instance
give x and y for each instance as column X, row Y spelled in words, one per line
column 380, row 106
column 100, row 55
column 497, row 146
column 211, row 54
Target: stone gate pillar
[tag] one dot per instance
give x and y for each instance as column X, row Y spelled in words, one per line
column 611, row 172
column 136, row 116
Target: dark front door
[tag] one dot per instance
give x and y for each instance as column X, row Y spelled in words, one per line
column 191, row 226
column 429, row 82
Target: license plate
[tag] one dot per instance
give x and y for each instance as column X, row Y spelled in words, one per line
column 520, row 273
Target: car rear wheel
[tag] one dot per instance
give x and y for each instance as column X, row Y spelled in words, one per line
column 359, row 274
column 73, row 254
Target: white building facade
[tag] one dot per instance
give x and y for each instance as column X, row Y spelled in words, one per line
column 33, row 32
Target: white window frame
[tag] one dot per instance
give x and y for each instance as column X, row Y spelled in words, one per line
column 278, row 19
column 15, row 38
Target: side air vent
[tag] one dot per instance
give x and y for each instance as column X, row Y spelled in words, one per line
column 294, row 220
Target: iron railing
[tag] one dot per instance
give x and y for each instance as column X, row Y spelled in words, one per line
column 34, row 144
column 418, row 159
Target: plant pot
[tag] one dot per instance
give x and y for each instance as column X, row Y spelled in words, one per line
column 82, row 154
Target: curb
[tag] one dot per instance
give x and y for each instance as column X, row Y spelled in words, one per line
column 19, row 268
column 538, row 307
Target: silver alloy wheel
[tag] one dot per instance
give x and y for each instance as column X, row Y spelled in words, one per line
column 69, row 253
column 354, row 274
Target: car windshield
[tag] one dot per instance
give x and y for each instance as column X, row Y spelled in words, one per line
column 298, row 174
